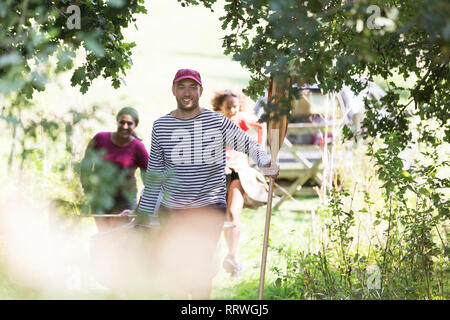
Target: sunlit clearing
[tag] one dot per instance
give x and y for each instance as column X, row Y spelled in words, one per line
column 65, row 257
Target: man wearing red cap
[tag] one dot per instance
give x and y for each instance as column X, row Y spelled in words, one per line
column 186, row 176
column 187, row 89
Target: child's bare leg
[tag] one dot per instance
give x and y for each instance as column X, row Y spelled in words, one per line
column 234, row 208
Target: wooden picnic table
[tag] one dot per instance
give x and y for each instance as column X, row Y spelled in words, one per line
column 301, row 162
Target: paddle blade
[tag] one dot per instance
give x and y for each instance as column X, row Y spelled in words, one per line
column 276, row 129
column 276, row 132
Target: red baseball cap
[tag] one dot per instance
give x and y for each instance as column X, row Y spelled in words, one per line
column 187, row 74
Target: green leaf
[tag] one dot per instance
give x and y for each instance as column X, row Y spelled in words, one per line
column 406, row 174
column 78, row 76
column 116, row 3
column 10, row 59
column 94, row 46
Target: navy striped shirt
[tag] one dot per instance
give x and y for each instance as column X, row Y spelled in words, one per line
column 186, row 167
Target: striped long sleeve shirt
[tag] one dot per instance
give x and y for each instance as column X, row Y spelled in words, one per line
column 186, row 167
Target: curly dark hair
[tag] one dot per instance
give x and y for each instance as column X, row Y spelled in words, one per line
column 221, row 96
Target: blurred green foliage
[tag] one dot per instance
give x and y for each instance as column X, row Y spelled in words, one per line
column 101, row 180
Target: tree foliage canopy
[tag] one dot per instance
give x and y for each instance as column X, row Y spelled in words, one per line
column 33, row 31
column 334, row 42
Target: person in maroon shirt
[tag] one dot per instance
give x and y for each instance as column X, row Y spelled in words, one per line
column 125, row 150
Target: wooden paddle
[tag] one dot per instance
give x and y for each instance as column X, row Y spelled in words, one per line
column 276, row 132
